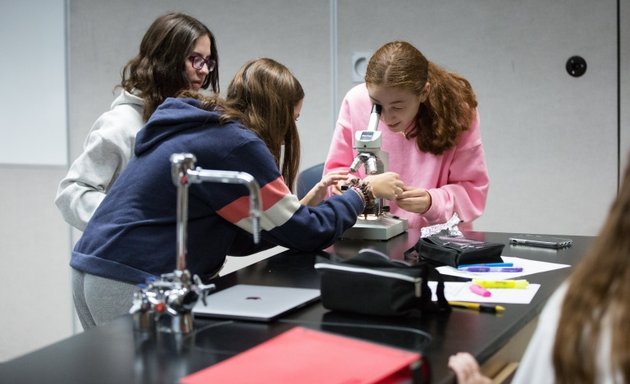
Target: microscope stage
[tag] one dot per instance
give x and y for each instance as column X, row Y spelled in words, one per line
column 382, row 227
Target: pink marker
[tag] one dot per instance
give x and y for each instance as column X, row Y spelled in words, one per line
column 479, row 290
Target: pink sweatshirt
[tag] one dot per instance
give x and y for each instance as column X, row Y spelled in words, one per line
column 457, row 179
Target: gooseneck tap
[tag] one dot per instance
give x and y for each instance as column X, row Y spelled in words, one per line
column 166, row 304
column 230, row 177
column 183, row 175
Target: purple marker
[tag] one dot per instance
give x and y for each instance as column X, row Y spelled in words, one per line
column 491, row 269
column 475, row 269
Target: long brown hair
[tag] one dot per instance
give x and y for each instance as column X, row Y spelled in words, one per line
column 158, row 71
column 450, row 107
column 598, row 296
column 262, row 96
column 267, row 93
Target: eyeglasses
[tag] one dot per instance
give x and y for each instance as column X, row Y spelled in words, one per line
column 198, row 62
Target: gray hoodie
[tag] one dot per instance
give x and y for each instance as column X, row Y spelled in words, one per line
column 106, row 152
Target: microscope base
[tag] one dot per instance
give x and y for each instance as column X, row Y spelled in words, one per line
column 384, row 227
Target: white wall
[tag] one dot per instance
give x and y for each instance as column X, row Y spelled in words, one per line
column 36, row 305
column 34, row 240
column 550, row 139
column 34, row 37
column 296, row 33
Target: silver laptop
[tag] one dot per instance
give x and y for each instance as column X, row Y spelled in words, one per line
column 255, row 302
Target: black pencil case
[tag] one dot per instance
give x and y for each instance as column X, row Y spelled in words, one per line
column 370, row 283
column 454, row 251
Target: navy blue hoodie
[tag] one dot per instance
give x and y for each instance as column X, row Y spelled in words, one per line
column 132, row 234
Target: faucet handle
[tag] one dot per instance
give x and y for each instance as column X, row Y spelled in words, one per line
column 203, row 289
column 140, row 303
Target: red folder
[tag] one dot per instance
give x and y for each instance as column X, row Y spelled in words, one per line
column 302, row 355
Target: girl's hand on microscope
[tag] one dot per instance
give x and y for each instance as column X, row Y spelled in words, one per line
column 318, row 193
column 338, row 187
column 414, row 199
column 385, row 185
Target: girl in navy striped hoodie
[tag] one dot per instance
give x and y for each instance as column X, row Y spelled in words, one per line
column 132, row 235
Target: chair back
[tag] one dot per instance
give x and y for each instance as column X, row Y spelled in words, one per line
column 308, row 178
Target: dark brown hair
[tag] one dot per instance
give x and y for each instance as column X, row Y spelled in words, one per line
column 158, row 71
column 598, row 298
column 262, row 96
column 450, row 107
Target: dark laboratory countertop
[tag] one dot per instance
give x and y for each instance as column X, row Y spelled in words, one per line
column 115, row 353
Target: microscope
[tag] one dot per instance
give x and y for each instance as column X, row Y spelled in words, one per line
column 375, row 223
column 165, row 304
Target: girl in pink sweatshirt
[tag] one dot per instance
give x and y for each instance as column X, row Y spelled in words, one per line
column 430, row 131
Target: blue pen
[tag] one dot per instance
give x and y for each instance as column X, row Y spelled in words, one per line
column 486, row 265
column 491, row 269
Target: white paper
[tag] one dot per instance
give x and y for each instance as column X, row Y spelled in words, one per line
column 529, row 268
column 460, row 291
